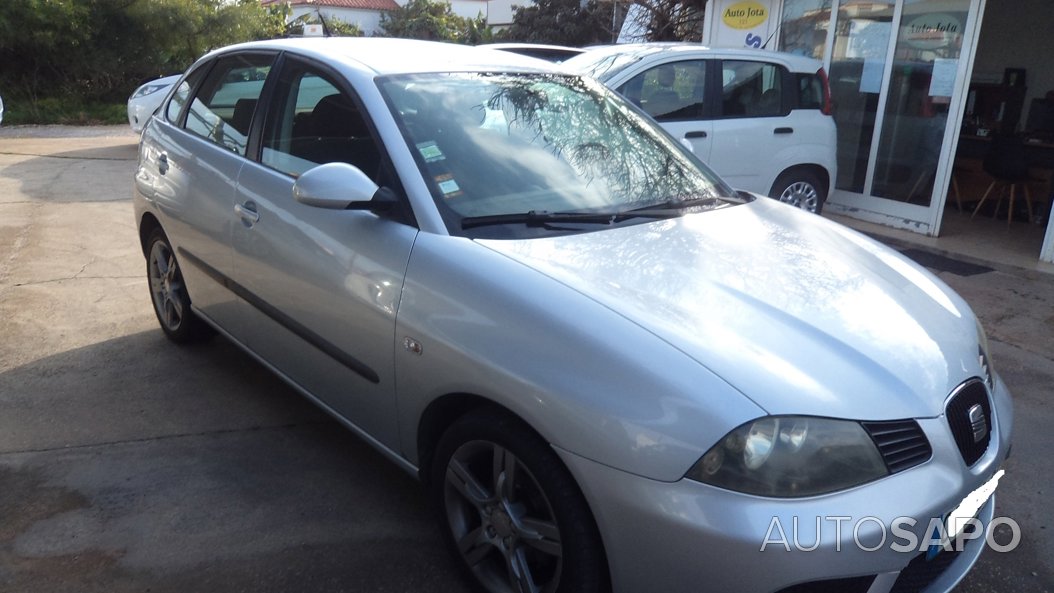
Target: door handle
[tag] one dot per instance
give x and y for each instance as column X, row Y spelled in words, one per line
column 696, row 134
column 247, row 212
column 162, row 163
column 783, row 131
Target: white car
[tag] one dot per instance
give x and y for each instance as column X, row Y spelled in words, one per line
column 761, row 119
column 146, row 98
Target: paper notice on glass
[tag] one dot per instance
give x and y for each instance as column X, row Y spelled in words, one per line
column 942, row 84
column 871, row 78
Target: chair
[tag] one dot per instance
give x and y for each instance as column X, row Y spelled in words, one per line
column 956, row 171
column 1006, row 162
column 242, row 117
column 769, row 103
column 662, row 102
column 339, row 134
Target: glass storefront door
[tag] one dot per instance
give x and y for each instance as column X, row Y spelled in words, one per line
column 897, row 72
column 857, row 75
column 921, row 84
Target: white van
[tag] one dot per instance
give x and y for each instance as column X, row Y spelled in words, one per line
column 761, row 119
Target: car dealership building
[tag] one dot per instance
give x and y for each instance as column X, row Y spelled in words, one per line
column 924, row 92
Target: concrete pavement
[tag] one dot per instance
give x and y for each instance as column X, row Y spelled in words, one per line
column 130, row 464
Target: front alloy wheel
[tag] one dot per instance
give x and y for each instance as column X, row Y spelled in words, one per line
column 512, row 513
column 501, row 520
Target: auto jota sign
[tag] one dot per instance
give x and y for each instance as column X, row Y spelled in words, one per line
column 741, row 23
column 745, row 15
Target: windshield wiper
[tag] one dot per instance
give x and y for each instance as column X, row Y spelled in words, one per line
column 684, row 204
column 544, row 217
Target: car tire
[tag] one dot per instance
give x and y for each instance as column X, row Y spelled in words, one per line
column 168, row 293
column 802, row 189
column 510, row 511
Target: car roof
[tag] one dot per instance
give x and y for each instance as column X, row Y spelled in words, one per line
column 533, row 46
column 793, row 61
column 387, row 56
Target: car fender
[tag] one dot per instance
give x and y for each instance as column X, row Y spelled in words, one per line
column 588, row 380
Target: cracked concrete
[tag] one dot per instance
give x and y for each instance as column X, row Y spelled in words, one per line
column 130, row 464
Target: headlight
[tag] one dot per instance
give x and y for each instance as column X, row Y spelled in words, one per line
column 148, row 89
column 791, row 456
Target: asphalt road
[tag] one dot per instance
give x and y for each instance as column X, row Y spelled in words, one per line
column 130, row 464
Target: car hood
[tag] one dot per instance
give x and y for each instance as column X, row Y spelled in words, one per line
column 798, row 313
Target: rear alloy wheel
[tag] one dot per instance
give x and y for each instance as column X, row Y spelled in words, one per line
column 801, row 189
column 512, row 512
column 169, row 293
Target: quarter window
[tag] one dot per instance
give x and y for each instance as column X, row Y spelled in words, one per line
column 751, row 89
column 179, row 98
column 313, row 122
column 669, row 92
column 810, row 91
column 222, row 110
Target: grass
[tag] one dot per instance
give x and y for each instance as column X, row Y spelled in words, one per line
column 64, row 111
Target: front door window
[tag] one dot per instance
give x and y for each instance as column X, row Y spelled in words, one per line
column 670, row 92
column 313, row 122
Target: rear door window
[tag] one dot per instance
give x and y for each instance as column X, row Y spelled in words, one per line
column 751, row 89
column 223, row 109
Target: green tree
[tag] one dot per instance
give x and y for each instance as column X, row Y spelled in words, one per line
column 559, row 22
column 434, row 21
column 672, row 20
column 99, row 50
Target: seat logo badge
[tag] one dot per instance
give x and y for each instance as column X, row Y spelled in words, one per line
column 978, row 423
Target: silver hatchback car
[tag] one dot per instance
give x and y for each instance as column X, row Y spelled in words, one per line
column 610, row 371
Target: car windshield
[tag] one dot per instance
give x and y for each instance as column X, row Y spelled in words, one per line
column 505, row 154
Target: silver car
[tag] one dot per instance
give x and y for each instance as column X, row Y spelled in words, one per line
column 610, row 371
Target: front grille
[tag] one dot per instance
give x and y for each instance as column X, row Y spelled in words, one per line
column 920, row 572
column 851, row 585
column 968, row 396
column 901, row 443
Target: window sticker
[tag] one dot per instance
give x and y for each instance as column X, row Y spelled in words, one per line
column 430, row 152
column 448, row 186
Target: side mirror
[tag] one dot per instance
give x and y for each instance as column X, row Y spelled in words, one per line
column 340, row 186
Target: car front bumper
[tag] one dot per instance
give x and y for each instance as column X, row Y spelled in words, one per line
column 137, row 116
column 688, row 536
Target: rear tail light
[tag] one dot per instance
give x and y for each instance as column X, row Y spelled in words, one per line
column 828, row 106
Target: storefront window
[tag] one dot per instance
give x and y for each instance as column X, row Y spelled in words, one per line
column 803, row 28
column 922, row 82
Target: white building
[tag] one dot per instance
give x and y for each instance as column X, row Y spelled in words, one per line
column 920, row 90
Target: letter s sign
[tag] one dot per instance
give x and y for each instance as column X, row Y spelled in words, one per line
column 753, row 40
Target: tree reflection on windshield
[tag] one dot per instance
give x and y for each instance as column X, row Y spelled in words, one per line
column 503, row 143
